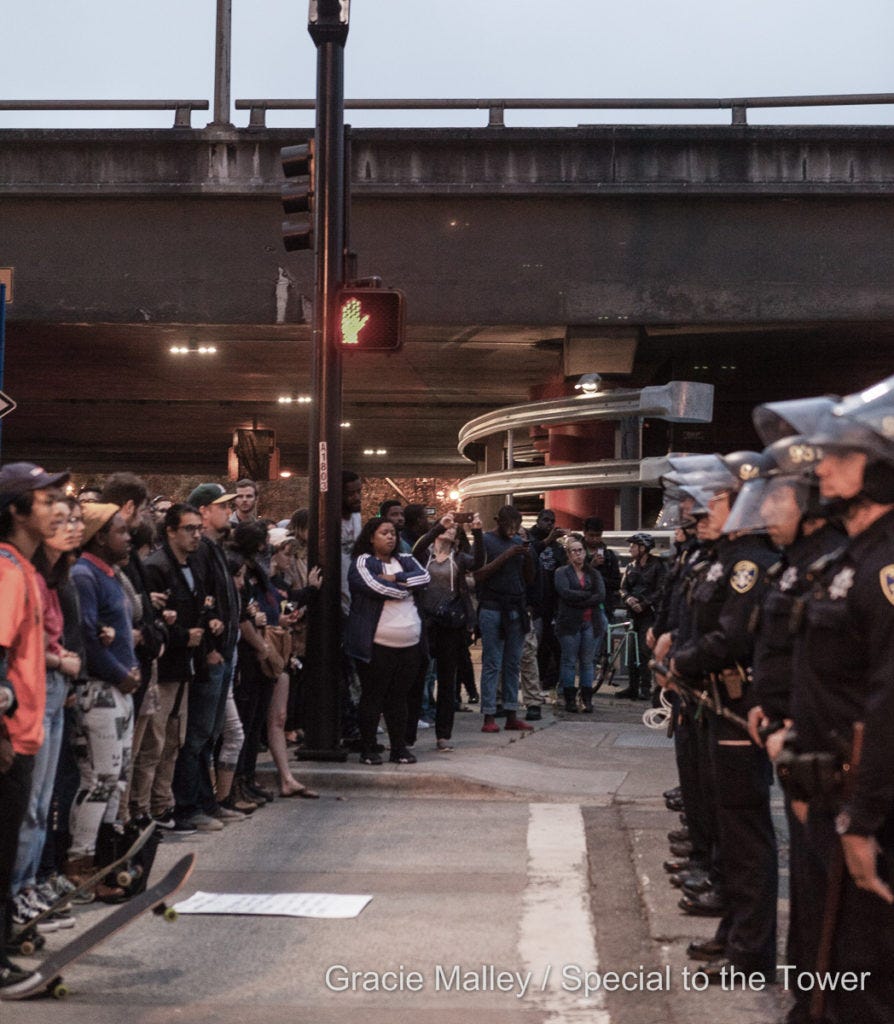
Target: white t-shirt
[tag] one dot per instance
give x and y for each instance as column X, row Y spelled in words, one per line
column 399, row 624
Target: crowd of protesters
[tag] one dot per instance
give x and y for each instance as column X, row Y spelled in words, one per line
column 151, row 649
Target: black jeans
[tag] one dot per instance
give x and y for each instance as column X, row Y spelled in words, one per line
column 446, row 646
column 15, row 789
column 384, row 684
column 252, row 693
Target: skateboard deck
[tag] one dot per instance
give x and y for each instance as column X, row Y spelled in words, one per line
column 47, row 979
column 86, row 886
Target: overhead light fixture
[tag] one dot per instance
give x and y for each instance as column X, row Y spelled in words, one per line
column 193, row 348
column 375, row 451
column 589, row 383
column 346, row 424
column 455, row 495
column 294, row 399
column 285, row 473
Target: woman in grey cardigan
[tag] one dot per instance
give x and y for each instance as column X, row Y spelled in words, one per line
column 580, row 591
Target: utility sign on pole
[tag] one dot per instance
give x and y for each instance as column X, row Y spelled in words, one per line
column 6, row 403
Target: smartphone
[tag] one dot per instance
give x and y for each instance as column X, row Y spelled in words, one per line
column 463, row 517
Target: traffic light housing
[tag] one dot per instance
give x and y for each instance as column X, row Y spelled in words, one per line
column 298, row 196
column 370, row 319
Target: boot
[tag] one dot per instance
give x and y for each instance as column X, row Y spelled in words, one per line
column 570, row 700
column 586, row 695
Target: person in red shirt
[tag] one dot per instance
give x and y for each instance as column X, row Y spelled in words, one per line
column 27, row 499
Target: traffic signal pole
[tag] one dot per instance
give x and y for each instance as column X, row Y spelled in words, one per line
column 328, row 27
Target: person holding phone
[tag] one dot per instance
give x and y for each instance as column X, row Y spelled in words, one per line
column 502, row 616
column 447, row 608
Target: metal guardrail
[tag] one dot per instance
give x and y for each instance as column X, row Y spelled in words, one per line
column 677, row 402
column 534, row 479
column 182, row 116
column 497, row 108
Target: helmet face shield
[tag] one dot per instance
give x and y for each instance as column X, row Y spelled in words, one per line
column 676, row 513
column 773, row 505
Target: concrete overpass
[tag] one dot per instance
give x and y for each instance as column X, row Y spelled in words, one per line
column 759, row 259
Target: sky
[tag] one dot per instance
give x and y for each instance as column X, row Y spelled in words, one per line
column 121, row 49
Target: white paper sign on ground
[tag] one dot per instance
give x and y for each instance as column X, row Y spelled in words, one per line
column 274, row 904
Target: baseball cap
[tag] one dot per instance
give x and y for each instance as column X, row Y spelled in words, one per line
column 18, row 478
column 209, row 494
column 277, row 536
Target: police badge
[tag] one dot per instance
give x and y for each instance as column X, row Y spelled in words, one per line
column 886, row 578
column 789, row 578
column 842, row 583
column 744, row 577
column 715, row 572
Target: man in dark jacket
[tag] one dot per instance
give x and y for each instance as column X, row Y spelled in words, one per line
column 222, row 601
column 170, row 570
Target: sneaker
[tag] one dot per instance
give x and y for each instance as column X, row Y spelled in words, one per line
column 533, row 713
column 422, row 724
column 60, row 885
column 371, row 758
column 24, row 912
column 474, row 700
column 490, row 727
column 518, row 725
column 47, row 896
column 165, row 819
column 227, row 815
column 205, row 823
column 183, row 828
column 11, row 975
column 403, row 757
column 46, row 892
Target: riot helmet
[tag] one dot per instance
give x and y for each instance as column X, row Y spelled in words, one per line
column 782, row 495
column 863, row 423
column 799, row 416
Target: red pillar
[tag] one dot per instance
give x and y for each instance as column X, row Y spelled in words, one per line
column 569, row 445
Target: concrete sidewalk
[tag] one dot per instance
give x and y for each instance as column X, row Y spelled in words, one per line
column 586, row 759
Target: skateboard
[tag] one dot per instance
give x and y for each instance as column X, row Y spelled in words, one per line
column 124, row 875
column 47, row 979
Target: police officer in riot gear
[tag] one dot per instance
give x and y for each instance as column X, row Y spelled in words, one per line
column 727, row 586
column 784, row 501
column 843, row 692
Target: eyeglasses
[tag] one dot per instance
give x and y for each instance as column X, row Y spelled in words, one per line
column 191, row 529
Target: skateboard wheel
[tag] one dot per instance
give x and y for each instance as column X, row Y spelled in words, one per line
column 28, row 948
column 170, row 914
column 58, row 990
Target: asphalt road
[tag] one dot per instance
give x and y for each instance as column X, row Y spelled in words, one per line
column 511, row 880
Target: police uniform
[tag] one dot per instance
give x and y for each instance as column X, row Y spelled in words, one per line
column 690, row 729
column 723, row 598
column 777, row 627
column 844, row 673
